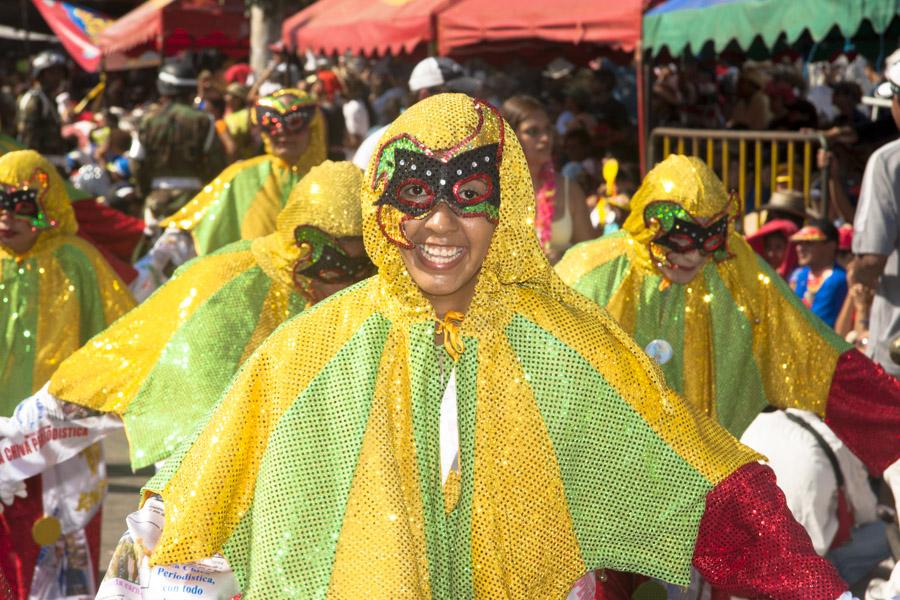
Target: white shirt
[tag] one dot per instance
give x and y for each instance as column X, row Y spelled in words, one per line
column 805, row 475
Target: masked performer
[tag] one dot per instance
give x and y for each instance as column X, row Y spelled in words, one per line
column 727, row 331
column 463, row 425
column 244, row 200
column 161, row 367
column 57, row 292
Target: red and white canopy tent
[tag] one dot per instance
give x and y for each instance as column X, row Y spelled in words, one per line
column 469, row 28
column 367, row 27
column 169, row 26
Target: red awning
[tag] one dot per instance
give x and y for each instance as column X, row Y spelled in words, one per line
column 369, row 27
column 481, row 23
column 174, row 25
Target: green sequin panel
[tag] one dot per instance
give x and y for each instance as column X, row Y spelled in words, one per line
column 625, row 483
column 305, row 476
column 80, row 272
column 194, row 368
column 448, row 536
column 660, row 316
column 740, row 394
column 18, row 323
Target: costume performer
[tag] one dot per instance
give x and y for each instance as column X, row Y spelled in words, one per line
column 414, row 436
column 163, row 365
column 736, row 327
column 728, row 332
column 57, row 292
column 243, row 201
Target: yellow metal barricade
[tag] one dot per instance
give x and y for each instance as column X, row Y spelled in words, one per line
column 751, row 163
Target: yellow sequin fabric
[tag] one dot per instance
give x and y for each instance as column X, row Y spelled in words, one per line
column 168, row 360
column 244, row 200
column 327, row 198
column 54, row 296
column 682, row 180
column 740, row 337
column 318, row 472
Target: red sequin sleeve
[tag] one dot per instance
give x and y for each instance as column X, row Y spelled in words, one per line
column 864, row 410
column 749, row 544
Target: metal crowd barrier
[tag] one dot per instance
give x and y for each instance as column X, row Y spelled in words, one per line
column 752, row 163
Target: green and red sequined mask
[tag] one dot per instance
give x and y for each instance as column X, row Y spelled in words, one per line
column 284, row 113
column 679, row 231
column 466, row 179
column 323, row 258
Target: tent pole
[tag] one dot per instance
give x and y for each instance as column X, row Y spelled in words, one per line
column 641, row 108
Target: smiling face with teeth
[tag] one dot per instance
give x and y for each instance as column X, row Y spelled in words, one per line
column 446, row 256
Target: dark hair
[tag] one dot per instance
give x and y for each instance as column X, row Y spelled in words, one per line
column 518, row 108
column 848, row 88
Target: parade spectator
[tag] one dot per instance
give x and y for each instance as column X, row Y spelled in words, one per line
column 876, row 242
column 561, row 215
column 180, row 148
column 786, row 205
column 772, row 242
column 820, row 282
column 826, row 487
column 39, row 126
column 751, row 110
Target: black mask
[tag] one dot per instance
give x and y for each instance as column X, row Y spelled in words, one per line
column 323, row 258
column 436, row 181
column 685, row 236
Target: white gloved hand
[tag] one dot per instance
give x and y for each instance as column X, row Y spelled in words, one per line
column 10, row 490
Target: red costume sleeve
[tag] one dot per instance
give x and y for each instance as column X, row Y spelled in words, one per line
column 749, row 544
column 112, row 232
column 864, row 410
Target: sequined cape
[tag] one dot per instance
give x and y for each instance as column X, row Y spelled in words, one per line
column 243, row 201
column 163, row 365
column 55, row 296
column 317, row 473
column 741, row 338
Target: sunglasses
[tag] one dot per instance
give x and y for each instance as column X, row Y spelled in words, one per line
column 322, row 258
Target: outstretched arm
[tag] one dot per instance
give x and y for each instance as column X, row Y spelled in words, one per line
column 749, row 544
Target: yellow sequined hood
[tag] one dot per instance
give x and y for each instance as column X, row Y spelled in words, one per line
column 514, row 257
column 327, row 198
column 27, row 167
column 683, row 180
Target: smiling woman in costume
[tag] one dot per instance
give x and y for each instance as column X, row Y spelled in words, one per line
column 244, row 200
column 413, row 436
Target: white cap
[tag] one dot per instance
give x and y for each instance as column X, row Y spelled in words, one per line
column 441, row 72
column 892, row 85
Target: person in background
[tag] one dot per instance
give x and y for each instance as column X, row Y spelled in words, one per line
column 234, row 129
column 876, row 239
column 826, row 487
column 179, row 149
column 820, row 282
column 772, row 242
column 751, row 110
column 357, row 113
column 561, row 214
column 38, row 124
column 788, row 205
column 432, row 75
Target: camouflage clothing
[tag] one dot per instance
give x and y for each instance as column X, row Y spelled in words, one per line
column 38, row 124
column 180, row 143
